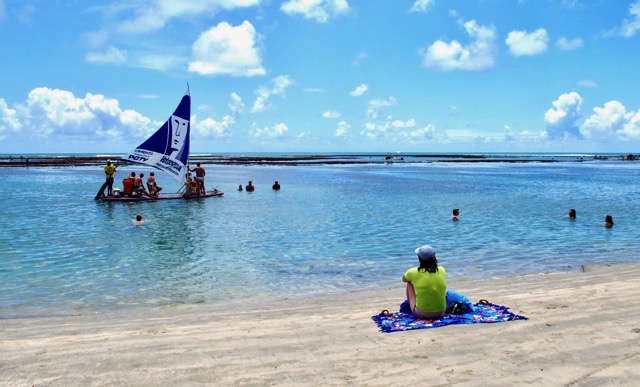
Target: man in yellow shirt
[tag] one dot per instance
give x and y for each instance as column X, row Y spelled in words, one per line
column 109, row 171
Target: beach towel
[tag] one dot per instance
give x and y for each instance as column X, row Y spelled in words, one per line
column 484, row 312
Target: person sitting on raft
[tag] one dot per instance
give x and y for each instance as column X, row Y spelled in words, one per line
column 426, row 285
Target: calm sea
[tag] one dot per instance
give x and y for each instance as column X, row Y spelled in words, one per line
column 331, row 229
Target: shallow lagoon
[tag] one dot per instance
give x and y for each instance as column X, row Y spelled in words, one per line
column 332, row 228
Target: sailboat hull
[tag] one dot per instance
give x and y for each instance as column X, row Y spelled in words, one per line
column 130, row 199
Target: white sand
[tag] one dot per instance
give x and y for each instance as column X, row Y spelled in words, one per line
column 583, row 329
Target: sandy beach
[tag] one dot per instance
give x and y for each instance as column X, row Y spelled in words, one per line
column 583, row 329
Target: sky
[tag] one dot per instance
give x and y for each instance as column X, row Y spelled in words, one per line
column 322, row 75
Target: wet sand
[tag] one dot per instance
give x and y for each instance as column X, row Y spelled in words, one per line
column 583, row 329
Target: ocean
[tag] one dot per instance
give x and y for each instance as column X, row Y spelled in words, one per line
column 332, row 228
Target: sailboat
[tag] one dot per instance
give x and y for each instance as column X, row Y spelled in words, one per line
column 167, row 150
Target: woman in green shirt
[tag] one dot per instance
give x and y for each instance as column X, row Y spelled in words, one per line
column 426, row 285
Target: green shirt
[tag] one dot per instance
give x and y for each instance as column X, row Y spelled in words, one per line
column 109, row 169
column 431, row 288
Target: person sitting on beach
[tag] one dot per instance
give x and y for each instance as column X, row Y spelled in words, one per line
column 240, row 188
column 572, row 214
column 455, row 213
column 426, row 285
column 608, row 221
column 276, row 186
column 249, row 187
column 154, row 189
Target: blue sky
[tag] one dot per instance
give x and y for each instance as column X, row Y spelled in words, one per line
column 323, row 75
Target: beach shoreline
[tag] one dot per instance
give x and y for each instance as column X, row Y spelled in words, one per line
column 583, row 329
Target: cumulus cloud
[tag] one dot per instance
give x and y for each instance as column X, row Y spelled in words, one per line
column 9, row 122
column 358, row 91
column 478, row 55
column 225, row 49
column 569, row 44
column 111, row 55
column 421, row 5
column 55, row 113
column 342, row 129
column 631, row 25
column 612, row 120
column 212, row 128
column 561, row 119
column 331, row 114
column 277, row 130
column 318, row 10
column 278, row 87
column 152, row 15
column 376, row 104
column 523, row 43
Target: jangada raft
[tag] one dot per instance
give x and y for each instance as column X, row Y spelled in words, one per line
column 167, row 150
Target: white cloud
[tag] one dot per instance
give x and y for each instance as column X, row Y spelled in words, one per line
column 569, row 44
column 522, row 43
column 422, row 5
column 342, row 129
column 152, row 15
column 477, row 55
column 59, row 114
column 319, row 10
column 612, row 120
column 376, row 104
column 229, row 50
column 561, row 120
column 9, row 121
column 631, row 25
column 358, row 91
column 279, row 86
column 236, row 105
column 331, row 114
column 587, row 83
column 111, row 55
column 277, row 130
column 212, row 128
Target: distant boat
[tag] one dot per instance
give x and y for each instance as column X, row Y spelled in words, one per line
column 167, row 150
column 389, row 158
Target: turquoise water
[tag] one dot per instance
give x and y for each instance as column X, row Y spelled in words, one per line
column 331, row 228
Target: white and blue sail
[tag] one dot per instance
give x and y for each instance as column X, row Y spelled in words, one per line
column 168, row 148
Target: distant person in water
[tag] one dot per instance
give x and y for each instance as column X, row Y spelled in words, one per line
column 572, row 214
column 455, row 213
column 276, row 186
column 426, row 285
column 138, row 221
column 249, row 187
column 240, row 187
column 608, row 221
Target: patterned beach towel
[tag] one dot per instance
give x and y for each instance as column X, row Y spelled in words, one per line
column 484, row 312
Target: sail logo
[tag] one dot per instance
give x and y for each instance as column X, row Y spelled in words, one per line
column 167, row 161
column 139, row 159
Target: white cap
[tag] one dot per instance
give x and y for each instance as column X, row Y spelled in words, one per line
column 425, row 252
